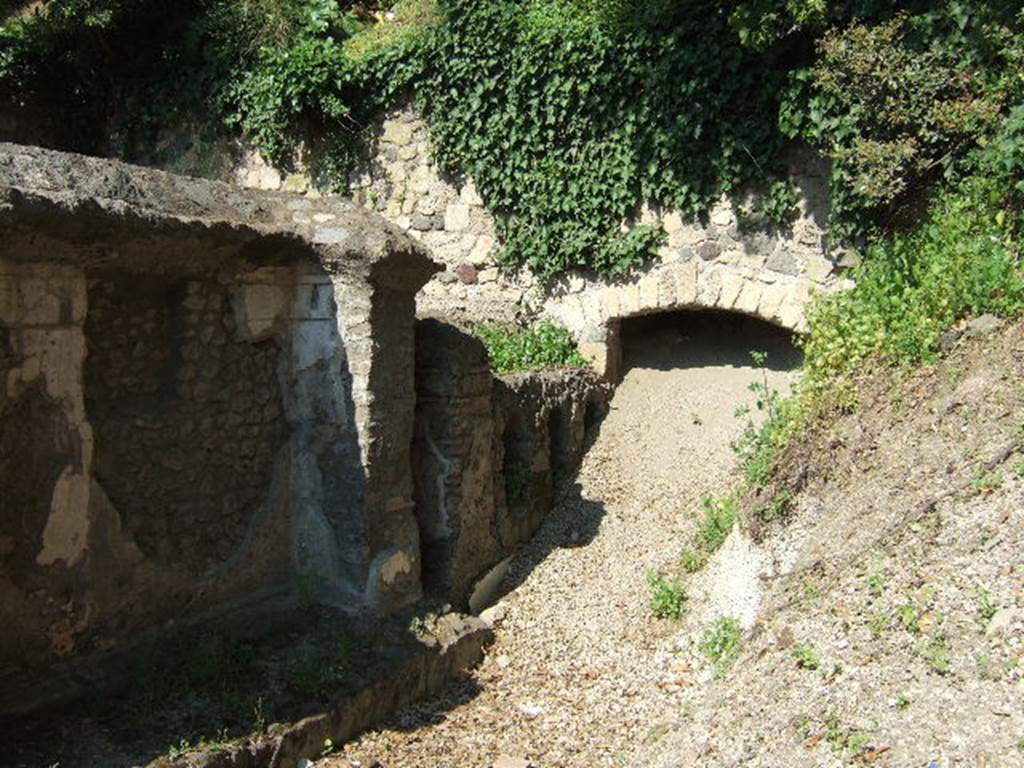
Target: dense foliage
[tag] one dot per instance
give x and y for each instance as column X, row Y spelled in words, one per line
column 543, row 345
column 567, row 113
column 964, row 260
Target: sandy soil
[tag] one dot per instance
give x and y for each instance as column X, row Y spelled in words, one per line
column 577, row 676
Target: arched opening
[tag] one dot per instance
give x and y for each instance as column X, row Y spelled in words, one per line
column 705, row 338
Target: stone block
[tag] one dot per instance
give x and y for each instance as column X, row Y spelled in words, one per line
column 749, row 298
column 709, row 286
column 456, row 217
column 669, row 255
column 489, row 275
column 784, row 262
column 596, row 353
column 673, row 222
column 731, row 285
column 481, row 253
column 818, row 269
column 722, row 216
column 792, row 316
column 709, row 251
column 666, row 289
column 772, row 297
column 399, row 134
column 257, row 309
column 629, row 299
column 686, row 284
column 609, row 295
column 648, row 289
column 467, row 274
column 469, row 195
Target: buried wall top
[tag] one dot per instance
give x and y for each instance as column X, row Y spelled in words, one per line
column 115, row 214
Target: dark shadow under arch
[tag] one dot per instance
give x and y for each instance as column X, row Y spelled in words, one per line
column 697, row 338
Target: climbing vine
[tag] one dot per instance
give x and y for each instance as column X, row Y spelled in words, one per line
column 568, row 114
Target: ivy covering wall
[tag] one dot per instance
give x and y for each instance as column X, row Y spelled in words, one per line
column 568, row 114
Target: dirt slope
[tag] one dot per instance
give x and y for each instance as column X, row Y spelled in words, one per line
column 902, row 571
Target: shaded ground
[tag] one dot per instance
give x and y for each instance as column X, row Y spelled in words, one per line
column 575, row 677
column 205, row 685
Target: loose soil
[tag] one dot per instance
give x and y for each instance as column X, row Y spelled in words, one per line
column 883, row 617
column 576, row 675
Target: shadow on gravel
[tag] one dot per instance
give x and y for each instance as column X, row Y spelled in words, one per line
column 700, row 339
column 574, row 522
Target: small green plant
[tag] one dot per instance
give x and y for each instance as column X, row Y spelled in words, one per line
column 1018, row 468
column 668, row 597
column 716, row 522
column 721, row 644
column 417, row 625
column 987, row 482
column 909, row 615
column 985, row 607
column 879, row 624
column 759, row 447
column 691, row 561
column 877, row 581
column 544, row 345
column 937, row 654
column 903, row 701
column 846, row 743
column 184, row 746
column 805, row 656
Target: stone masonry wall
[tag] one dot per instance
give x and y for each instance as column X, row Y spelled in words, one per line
column 206, row 403
column 728, row 260
column 489, row 453
column 187, row 417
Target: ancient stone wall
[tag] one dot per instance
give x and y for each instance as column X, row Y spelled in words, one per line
column 187, row 417
column 732, row 259
column 489, row 453
column 206, row 400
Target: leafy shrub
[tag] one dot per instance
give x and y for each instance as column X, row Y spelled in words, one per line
column 544, row 345
column 962, row 261
column 900, row 102
column 718, row 518
column 721, row 644
column 668, row 597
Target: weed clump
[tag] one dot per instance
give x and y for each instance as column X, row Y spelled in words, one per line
column 668, row 597
column 544, row 345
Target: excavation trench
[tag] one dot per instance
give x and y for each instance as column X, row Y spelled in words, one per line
column 579, row 670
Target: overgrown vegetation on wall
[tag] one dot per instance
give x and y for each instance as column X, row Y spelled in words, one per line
column 568, row 114
column 543, row 345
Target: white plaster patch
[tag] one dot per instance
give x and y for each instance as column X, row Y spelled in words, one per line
column 67, row 527
column 399, row 563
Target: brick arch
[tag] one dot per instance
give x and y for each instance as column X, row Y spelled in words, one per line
column 592, row 311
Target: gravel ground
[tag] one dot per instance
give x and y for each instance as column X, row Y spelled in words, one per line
column 891, row 628
column 883, row 620
column 576, row 675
